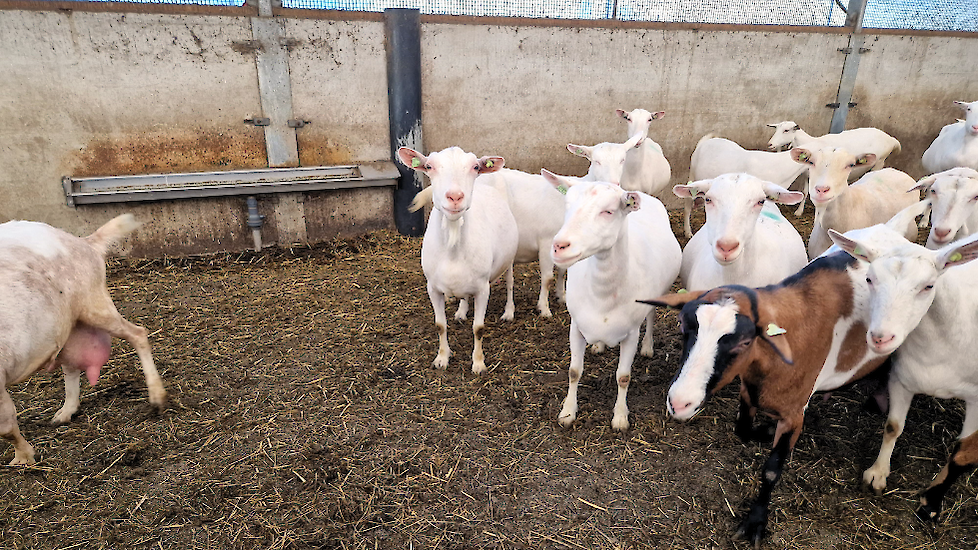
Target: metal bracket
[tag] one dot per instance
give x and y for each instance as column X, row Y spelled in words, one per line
column 298, row 123
column 846, row 51
column 833, row 105
column 258, row 121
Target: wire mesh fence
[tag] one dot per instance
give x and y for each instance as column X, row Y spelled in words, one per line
column 943, row 15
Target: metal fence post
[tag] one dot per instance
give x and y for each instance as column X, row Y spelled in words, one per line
column 850, row 67
column 402, row 27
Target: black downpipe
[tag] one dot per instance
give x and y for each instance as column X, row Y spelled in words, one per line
column 403, row 31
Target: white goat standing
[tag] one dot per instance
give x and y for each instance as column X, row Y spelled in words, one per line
column 715, row 156
column 539, row 212
column 956, row 145
column 923, row 307
column 646, row 168
column 617, row 247
column 607, row 159
column 471, row 239
column 874, row 198
column 745, row 239
column 859, row 141
column 57, row 311
column 953, row 195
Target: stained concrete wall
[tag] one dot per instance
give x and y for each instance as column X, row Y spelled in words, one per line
column 103, row 93
column 96, row 94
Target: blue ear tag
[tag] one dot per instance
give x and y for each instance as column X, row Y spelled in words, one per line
column 415, row 162
column 562, row 188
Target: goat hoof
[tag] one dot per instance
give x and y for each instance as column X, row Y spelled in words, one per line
column 927, row 512
column 753, row 528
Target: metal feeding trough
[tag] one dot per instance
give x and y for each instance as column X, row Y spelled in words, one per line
column 156, row 187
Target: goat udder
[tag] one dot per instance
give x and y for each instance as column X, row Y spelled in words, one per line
column 87, row 349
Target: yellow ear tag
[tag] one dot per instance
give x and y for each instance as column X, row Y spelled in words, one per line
column 562, row 188
column 489, row 163
column 803, row 156
column 858, row 251
column 415, row 162
column 580, row 151
column 682, row 291
column 774, row 330
column 629, row 202
column 956, row 257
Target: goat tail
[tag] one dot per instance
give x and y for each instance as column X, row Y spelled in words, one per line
column 112, row 233
column 422, row 199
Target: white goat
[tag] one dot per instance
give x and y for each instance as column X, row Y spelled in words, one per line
column 956, row 145
column 57, row 311
column 539, row 212
column 859, row 141
column 617, row 247
column 953, row 195
column 607, row 159
column 715, row 156
column 471, row 239
column 646, row 168
column 873, row 199
column 745, row 239
column 923, row 308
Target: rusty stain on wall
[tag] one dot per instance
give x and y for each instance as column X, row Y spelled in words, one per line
column 174, row 151
column 348, row 212
column 317, row 149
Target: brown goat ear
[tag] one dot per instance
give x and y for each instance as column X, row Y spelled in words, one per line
column 773, row 334
column 676, row 301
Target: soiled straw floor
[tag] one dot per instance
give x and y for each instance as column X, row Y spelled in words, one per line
column 304, row 413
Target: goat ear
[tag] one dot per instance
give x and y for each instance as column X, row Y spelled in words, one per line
column 560, row 183
column 778, row 194
column 676, row 300
column 774, row 335
column 868, row 158
column 961, row 104
column 957, row 253
column 771, row 125
column 487, row 165
column 410, row 157
column 855, row 249
column 925, row 183
column 796, row 128
column 622, row 113
column 634, row 141
column 580, row 150
column 801, row 156
column 657, row 115
column 692, row 189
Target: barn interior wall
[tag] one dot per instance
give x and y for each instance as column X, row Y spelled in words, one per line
column 101, row 93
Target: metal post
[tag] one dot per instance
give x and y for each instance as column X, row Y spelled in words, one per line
column 403, row 31
column 850, row 67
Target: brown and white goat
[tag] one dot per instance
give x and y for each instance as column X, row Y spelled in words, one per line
column 56, row 310
column 785, row 342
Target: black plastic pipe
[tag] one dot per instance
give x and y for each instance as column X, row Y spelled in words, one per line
column 402, row 27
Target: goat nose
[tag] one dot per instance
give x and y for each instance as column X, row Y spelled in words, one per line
column 727, row 246
column 455, row 196
column 560, row 245
column 674, row 409
column 941, row 232
column 821, row 189
column 881, row 339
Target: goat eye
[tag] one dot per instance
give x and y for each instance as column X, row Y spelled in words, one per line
column 707, row 200
column 760, row 202
column 607, row 212
column 853, row 165
column 427, row 167
column 927, row 288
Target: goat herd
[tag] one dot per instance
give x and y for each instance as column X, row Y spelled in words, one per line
column 787, row 321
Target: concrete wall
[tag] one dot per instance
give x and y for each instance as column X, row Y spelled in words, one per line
column 95, row 94
column 108, row 93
